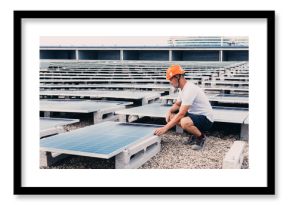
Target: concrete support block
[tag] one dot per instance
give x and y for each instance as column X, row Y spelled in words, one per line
column 46, row 114
column 179, row 129
column 170, row 102
column 106, row 115
column 47, row 158
column 136, row 155
column 122, row 118
column 102, row 116
column 234, row 157
column 133, row 118
column 77, row 54
column 121, row 55
column 97, row 117
column 221, row 56
column 244, row 132
column 144, row 101
column 163, row 101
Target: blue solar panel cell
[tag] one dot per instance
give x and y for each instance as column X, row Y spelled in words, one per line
column 102, row 140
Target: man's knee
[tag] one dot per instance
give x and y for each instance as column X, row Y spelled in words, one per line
column 186, row 122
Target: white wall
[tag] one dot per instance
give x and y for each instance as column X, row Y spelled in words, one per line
column 282, row 97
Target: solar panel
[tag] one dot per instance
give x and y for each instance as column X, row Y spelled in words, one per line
column 47, row 123
column 152, row 86
column 233, row 98
column 230, row 98
column 151, row 110
column 78, row 106
column 103, row 140
column 232, row 115
column 51, row 126
column 221, row 114
column 103, row 94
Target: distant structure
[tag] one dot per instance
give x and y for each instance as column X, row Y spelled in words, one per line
column 198, row 48
column 209, row 42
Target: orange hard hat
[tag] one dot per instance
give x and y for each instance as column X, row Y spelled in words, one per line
column 174, row 70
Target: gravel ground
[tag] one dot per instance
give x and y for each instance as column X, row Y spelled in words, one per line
column 173, row 155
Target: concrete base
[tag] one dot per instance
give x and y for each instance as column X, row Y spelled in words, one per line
column 136, row 155
column 47, row 158
column 145, row 101
column 107, row 114
column 179, row 129
column 46, row 114
column 128, row 118
column 244, row 132
column 149, row 100
column 122, row 118
column 132, row 118
column 234, row 157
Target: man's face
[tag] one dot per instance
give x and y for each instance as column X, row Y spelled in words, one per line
column 174, row 81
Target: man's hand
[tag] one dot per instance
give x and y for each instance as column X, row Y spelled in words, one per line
column 167, row 116
column 160, row 131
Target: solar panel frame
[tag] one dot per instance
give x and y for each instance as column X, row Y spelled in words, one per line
column 110, row 125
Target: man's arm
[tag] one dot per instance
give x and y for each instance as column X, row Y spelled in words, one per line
column 173, row 109
column 174, row 121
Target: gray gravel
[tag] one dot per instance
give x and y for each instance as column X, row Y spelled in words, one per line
column 173, row 155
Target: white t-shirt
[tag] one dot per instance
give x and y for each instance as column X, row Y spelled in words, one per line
column 194, row 96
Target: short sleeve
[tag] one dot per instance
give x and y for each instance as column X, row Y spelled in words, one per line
column 179, row 97
column 188, row 95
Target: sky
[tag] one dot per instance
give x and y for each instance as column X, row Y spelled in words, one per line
column 109, row 41
column 102, row 41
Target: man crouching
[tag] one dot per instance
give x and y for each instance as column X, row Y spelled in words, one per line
column 192, row 110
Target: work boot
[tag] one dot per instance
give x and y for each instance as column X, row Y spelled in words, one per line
column 199, row 143
column 190, row 141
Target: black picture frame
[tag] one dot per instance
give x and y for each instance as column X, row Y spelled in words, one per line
column 19, row 189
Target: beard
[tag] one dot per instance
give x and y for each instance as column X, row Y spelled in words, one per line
column 175, row 86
